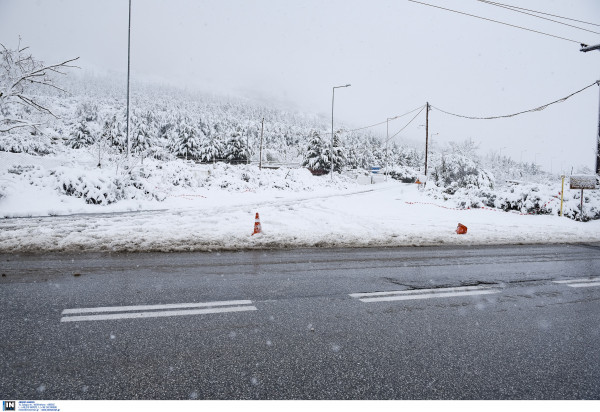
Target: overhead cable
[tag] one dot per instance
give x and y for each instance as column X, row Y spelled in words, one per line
column 385, row 121
column 406, row 125
column 511, row 8
column 546, row 14
column 499, row 22
column 537, row 109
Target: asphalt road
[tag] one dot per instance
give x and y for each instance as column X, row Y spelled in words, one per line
column 457, row 323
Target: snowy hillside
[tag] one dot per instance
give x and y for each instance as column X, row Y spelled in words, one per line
column 195, row 158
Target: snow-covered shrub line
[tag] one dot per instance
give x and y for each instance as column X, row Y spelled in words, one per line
column 538, row 199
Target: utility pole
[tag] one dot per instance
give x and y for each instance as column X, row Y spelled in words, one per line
column 128, row 66
column 585, row 48
column 262, row 126
column 426, row 135
column 387, row 138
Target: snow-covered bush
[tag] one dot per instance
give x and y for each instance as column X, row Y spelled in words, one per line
column 94, row 187
column 82, row 135
column 405, row 174
column 537, row 199
column 454, row 171
column 24, row 142
column 248, row 178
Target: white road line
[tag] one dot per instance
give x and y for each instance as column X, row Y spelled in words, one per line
column 430, row 295
column 152, row 307
column 590, row 279
column 421, row 291
column 160, row 314
column 584, row 285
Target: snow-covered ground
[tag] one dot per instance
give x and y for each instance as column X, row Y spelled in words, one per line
column 215, row 210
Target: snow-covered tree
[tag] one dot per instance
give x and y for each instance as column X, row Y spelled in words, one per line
column 236, row 151
column 455, row 171
column 20, row 74
column 339, row 153
column 187, row 141
column 316, row 157
column 144, row 135
column 116, row 133
column 81, row 136
column 211, row 148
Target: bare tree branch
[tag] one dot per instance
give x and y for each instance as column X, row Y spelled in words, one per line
column 19, row 123
column 19, row 72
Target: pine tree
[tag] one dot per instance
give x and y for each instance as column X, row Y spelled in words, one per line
column 81, row 135
column 316, row 157
column 236, row 151
column 339, row 154
column 141, row 140
column 187, row 141
column 211, row 148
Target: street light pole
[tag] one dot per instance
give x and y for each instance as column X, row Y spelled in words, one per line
column 128, row 66
column 331, row 146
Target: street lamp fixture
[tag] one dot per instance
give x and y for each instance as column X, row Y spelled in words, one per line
column 332, row 101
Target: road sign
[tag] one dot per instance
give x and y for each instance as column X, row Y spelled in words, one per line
column 583, row 182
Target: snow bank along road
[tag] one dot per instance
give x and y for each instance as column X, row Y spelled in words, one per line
column 431, row 322
column 388, row 215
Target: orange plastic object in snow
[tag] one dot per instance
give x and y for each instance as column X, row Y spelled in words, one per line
column 461, row 229
column 257, row 228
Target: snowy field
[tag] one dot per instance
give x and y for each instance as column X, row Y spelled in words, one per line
column 216, row 210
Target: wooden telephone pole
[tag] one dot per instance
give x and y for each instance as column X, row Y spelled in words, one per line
column 426, row 134
column 262, row 126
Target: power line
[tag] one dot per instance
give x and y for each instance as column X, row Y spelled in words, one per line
column 385, row 121
column 406, row 125
column 496, row 21
column 547, row 14
column 537, row 109
column 511, row 8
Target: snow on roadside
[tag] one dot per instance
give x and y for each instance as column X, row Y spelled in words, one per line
column 175, row 206
column 380, row 217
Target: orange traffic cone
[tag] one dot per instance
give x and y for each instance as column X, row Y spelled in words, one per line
column 257, row 228
column 461, row 229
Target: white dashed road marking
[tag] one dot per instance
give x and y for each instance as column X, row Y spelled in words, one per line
column 152, row 311
column 425, row 293
column 580, row 283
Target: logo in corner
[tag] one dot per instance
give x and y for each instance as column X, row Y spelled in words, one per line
column 8, row 405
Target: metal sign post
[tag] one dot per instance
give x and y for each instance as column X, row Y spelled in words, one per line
column 374, row 171
column 583, row 182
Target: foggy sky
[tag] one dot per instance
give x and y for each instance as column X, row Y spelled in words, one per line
column 397, row 55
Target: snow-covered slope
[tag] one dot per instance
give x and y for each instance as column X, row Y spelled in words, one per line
column 183, row 206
